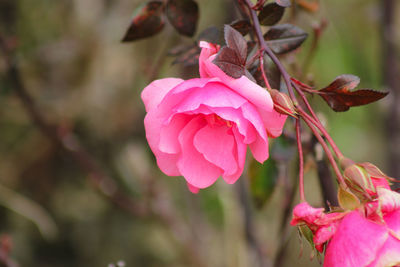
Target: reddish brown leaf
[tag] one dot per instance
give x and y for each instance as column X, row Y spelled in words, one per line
column 340, row 98
column 284, row 3
column 284, row 38
column 343, row 82
column 146, row 22
column 242, row 26
column 251, row 45
column 183, row 15
column 271, row 14
column 237, row 42
column 189, row 57
column 229, row 62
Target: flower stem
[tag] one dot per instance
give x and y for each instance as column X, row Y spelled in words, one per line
column 301, row 161
column 318, row 124
column 264, row 75
column 326, row 149
column 312, row 121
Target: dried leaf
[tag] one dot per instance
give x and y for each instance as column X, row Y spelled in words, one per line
column 183, row 15
column 237, row 42
column 340, row 98
column 242, row 26
column 285, row 38
column 271, row 14
column 229, row 62
column 147, row 21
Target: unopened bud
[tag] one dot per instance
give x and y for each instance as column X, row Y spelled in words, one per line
column 357, row 176
column 282, row 103
column 372, row 170
column 363, row 178
column 345, row 162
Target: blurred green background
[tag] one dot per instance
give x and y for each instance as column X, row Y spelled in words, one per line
column 85, row 80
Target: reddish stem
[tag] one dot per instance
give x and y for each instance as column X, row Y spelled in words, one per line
column 324, row 132
column 301, row 161
column 287, row 79
column 326, row 149
column 264, row 75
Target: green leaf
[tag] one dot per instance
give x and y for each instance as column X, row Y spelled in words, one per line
column 307, row 234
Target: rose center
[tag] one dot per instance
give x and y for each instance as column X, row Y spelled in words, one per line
column 215, row 120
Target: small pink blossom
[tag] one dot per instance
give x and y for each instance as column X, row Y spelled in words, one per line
column 200, row 128
column 367, row 237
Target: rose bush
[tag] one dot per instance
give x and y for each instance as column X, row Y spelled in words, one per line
column 200, row 128
column 367, row 237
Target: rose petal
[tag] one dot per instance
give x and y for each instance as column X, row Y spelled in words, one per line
column 193, row 166
column 169, row 134
column 216, row 145
column 303, row 212
column 243, row 86
column 273, row 122
column 389, row 254
column 356, row 242
column 213, row 94
column 240, row 156
column 259, row 147
column 166, row 162
column 177, row 95
column 192, row 188
column 388, row 199
column 155, row 91
column 392, row 220
column 208, row 49
column 246, row 129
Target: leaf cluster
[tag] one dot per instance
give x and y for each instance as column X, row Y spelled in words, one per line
column 149, row 18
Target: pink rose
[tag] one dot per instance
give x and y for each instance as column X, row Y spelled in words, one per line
column 366, row 237
column 200, row 128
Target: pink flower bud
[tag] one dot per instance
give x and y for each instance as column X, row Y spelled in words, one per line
column 282, row 103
